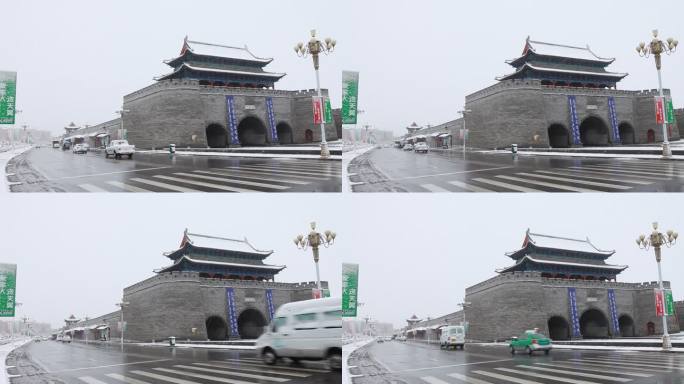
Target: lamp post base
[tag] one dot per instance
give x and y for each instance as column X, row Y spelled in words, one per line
column 325, row 152
column 667, row 151
column 667, row 343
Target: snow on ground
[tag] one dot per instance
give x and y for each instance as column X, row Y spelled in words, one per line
column 5, row 158
column 347, row 157
column 586, row 346
column 200, row 346
column 602, row 155
column 347, row 350
column 5, row 350
column 262, row 155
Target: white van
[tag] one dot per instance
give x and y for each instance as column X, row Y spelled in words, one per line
column 452, row 336
column 305, row 330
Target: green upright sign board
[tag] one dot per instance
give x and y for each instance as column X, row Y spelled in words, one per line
column 350, row 289
column 8, row 96
column 669, row 111
column 328, row 112
column 669, row 303
column 8, row 289
column 350, row 95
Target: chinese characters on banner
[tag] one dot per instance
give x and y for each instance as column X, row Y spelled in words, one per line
column 328, row 112
column 660, row 110
column 669, row 109
column 8, row 96
column 350, row 95
column 350, row 288
column 669, row 303
column 659, row 303
column 317, row 110
column 8, row 289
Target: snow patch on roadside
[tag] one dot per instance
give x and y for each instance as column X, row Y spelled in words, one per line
column 201, row 346
column 5, row 350
column 597, row 155
column 260, row 155
column 5, row 158
column 347, row 350
column 347, row 158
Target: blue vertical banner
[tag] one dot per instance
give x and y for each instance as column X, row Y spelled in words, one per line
column 269, row 303
column 271, row 119
column 613, row 120
column 574, row 121
column 613, row 312
column 574, row 318
column 232, row 315
column 232, row 120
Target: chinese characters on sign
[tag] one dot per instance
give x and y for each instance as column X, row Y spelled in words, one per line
column 317, row 110
column 350, row 94
column 669, row 303
column 669, row 109
column 328, row 112
column 8, row 289
column 8, row 96
column 350, row 288
column 660, row 305
column 659, row 109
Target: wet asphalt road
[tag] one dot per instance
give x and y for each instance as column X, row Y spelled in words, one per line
column 419, row 363
column 53, row 170
column 56, row 362
column 395, row 170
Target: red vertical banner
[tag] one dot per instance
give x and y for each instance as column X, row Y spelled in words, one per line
column 659, row 303
column 317, row 110
column 660, row 110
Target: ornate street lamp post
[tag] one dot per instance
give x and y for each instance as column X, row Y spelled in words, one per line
column 121, row 112
column 122, row 305
column 656, row 48
column 657, row 240
column 314, row 47
column 464, row 112
column 315, row 240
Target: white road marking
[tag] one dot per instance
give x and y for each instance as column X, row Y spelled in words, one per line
column 599, row 172
column 508, row 186
column 448, row 174
column 261, row 173
column 106, row 173
column 233, row 366
column 228, row 173
column 127, row 187
column 577, row 174
column 468, row 379
column 650, row 364
column 560, row 364
column 622, row 170
column 293, row 168
column 469, row 187
column 204, row 377
column 91, row 380
column 574, row 373
column 433, row 380
column 233, row 181
column 636, row 167
column 238, row 374
column 276, row 170
column 434, row 188
column 164, row 185
column 576, row 181
column 608, row 365
column 261, row 365
column 125, row 379
column 613, row 363
column 542, row 376
column 545, row 184
column 91, row 188
column 107, row 366
column 203, row 184
column 507, row 378
column 164, row 378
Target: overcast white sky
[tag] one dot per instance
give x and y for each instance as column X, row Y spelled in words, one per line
column 418, row 59
column 417, row 253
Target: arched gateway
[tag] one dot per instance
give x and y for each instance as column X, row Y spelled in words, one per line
column 626, row 133
column 217, row 329
column 252, row 132
column 559, row 329
column 594, row 324
column 251, row 324
column 626, row 326
column 217, row 136
column 284, row 133
column 594, row 132
column 558, row 136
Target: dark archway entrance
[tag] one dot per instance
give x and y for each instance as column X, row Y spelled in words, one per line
column 594, row 132
column 308, row 136
column 217, row 329
column 626, row 133
column 251, row 324
column 559, row 329
column 558, row 136
column 217, row 136
column 650, row 328
column 251, row 132
column 284, row 133
column 626, row 326
column 594, row 325
column 650, row 136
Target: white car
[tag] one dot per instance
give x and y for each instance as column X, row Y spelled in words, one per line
column 401, row 338
column 408, row 147
column 80, row 148
column 305, row 330
column 452, row 336
column 421, row 146
column 119, row 148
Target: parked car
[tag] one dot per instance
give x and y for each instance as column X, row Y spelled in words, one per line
column 453, row 336
column 66, row 145
column 531, row 341
column 305, row 330
column 119, row 148
column 421, row 146
column 401, row 338
column 66, row 338
column 80, row 148
column 408, row 147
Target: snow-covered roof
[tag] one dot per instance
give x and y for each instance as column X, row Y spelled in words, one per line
column 218, row 50
column 221, row 263
column 570, row 264
column 224, row 243
column 561, row 50
column 570, row 71
column 556, row 242
column 271, row 75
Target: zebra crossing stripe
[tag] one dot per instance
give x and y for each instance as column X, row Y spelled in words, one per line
column 433, row 380
column 577, row 174
column 608, row 172
column 545, row 184
column 626, row 362
column 636, row 365
column 592, row 183
column 127, row 187
column 639, row 167
column 507, row 185
column 204, row 377
column 228, row 173
column 125, row 379
column 238, row 374
column 573, row 373
column 298, row 168
column 542, row 376
column 90, row 380
column 506, row 378
column 265, row 172
column 261, row 365
column 164, row 185
column 469, row 187
column 653, row 359
column 203, row 184
column 434, row 188
column 91, row 188
column 609, row 365
column 232, row 181
column 622, row 170
column 228, row 365
column 275, row 170
column 164, row 378
column 574, row 366
column 468, row 379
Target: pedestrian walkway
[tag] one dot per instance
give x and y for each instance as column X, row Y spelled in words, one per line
column 243, row 371
column 602, row 177
column 263, row 177
column 613, row 368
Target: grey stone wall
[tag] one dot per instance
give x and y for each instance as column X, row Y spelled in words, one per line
column 679, row 310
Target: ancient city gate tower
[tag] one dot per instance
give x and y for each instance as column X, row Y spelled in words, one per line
column 215, row 289
column 565, row 287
